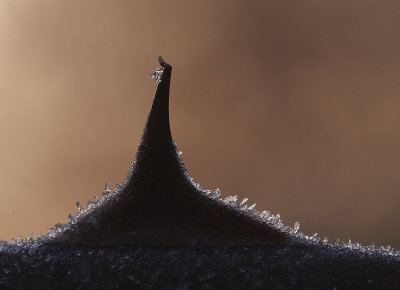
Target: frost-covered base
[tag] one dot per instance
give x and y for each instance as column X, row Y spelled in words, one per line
column 297, row 265
column 265, row 217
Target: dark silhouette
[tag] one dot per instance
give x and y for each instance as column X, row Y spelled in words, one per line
column 160, row 230
column 161, row 205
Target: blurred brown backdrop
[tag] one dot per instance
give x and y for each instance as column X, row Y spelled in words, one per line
column 293, row 104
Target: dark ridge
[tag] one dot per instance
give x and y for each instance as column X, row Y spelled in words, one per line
column 159, row 205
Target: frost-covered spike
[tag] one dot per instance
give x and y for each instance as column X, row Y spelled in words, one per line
column 218, row 193
column 71, row 218
column 80, row 208
column 207, row 191
column 99, row 199
column 18, row 241
column 107, row 189
column 315, row 237
column 296, row 228
column 325, row 240
column 265, row 214
column 276, row 218
column 231, row 199
column 252, row 206
column 244, row 201
column 90, row 204
column 116, row 188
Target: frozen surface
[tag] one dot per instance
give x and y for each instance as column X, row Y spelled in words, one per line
column 198, row 267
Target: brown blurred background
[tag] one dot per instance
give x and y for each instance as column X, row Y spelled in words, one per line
column 293, row 104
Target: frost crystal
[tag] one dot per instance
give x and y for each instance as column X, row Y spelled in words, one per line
column 107, row 189
column 264, row 214
column 90, row 204
column 244, row 201
column 80, row 208
column 218, row 193
column 99, row 199
column 252, row 206
column 117, row 187
column 296, row 227
column 276, row 218
column 156, row 76
column 71, row 218
column 230, row 200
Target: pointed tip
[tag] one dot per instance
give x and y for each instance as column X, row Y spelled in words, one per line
column 157, row 126
column 162, row 62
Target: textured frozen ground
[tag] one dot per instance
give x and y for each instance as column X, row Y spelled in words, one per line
column 309, row 266
column 159, row 229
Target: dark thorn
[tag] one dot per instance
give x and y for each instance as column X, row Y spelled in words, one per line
column 162, row 62
column 159, row 198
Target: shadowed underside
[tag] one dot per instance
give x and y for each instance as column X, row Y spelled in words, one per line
column 160, row 205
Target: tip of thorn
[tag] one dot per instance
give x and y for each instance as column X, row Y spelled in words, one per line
column 162, row 62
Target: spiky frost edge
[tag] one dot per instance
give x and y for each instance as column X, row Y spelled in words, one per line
column 276, row 222
column 264, row 217
column 84, row 213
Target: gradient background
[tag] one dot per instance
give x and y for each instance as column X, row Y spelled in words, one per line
column 293, row 104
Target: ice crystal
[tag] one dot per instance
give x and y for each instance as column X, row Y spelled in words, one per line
column 107, row 189
column 117, row 187
column 276, row 218
column 264, row 214
column 71, row 218
column 156, row 76
column 315, row 237
column 231, row 200
column 252, row 206
column 80, row 208
column 296, row 227
column 90, row 204
column 244, row 201
column 99, row 199
column 218, row 193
